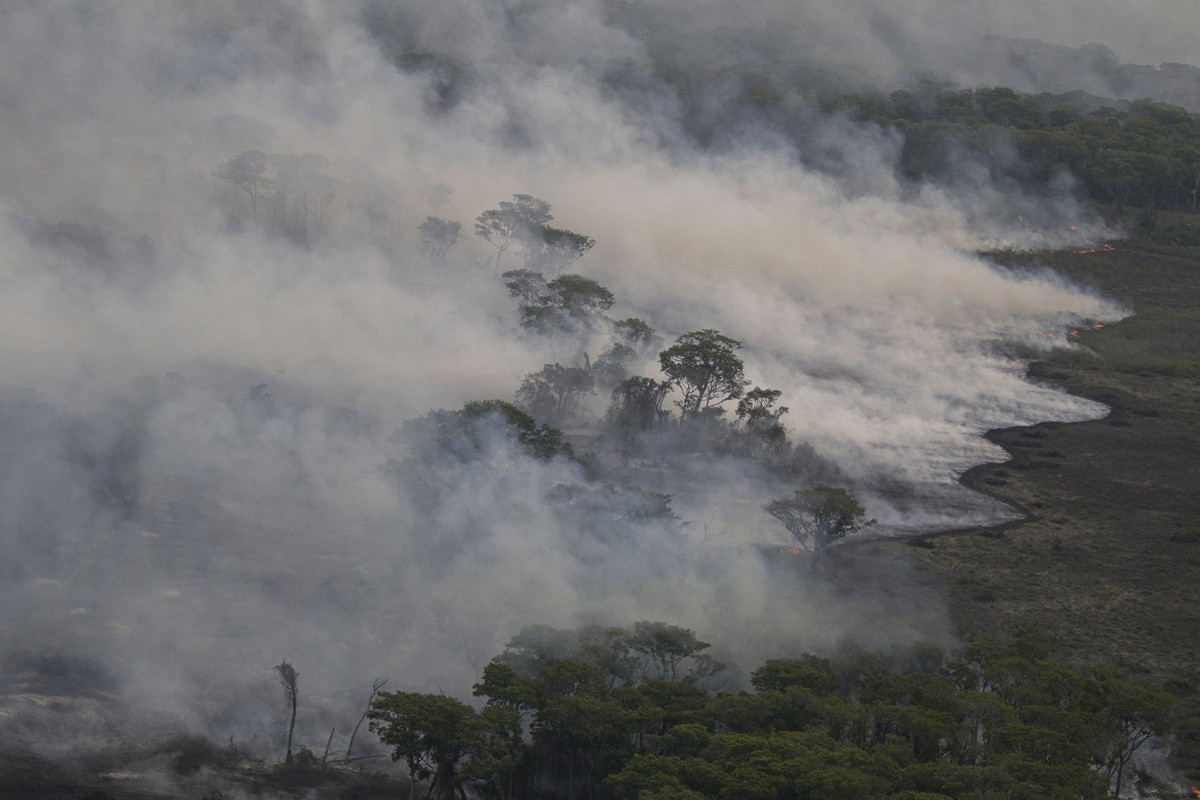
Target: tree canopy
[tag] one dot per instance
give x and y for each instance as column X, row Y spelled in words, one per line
column 705, row 367
column 819, row 516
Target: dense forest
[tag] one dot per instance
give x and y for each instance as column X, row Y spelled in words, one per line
column 623, row 713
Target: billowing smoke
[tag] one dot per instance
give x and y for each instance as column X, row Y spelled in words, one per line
column 204, row 383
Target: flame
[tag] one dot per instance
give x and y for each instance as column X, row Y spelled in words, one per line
column 795, row 551
column 1195, row 792
column 1048, row 333
column 1099, row 249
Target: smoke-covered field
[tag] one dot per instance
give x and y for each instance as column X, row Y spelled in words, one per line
column 200, row 386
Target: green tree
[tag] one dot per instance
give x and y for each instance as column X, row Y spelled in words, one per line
column 431, row 733
column 552, row 250
column 525, row 285
column 667, row 647
column 819, row 516
column 705, row 367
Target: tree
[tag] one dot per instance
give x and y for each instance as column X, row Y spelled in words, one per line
column 438, row 236
column 516, row 220
column 525, row 285
column 246, row 171
column 636, row 408
column 572, row 305
column 287, row 677
column 431, row 733
column 635, row 333
column 553, row 392
column 468, row 432
column 1131, row 715
column 376, row 685
column 819, row 516
column 704, row 365
column 667, row 647
column 554, row 249
column 756, row 410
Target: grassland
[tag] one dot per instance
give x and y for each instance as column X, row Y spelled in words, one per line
column 1109, row 557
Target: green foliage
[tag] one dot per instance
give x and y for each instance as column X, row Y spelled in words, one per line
column 572, row 305
column 819, row 516
column 1142, row 153
column 554, row 249
column 479, row 425
column 571, row 711
column 704, row 365
column 432, row 734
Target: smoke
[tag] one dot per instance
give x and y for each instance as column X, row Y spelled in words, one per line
column 199, row 393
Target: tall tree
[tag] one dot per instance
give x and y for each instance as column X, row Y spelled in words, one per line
column 552, row 250
column 704, row 365
column 431, row 733
column 515, row 221
column 438, row 236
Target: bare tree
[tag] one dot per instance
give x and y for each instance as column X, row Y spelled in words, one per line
column 376, row 685
column 287, row 677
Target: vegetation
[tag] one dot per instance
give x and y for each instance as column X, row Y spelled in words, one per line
column 819, row 517
column 1102, row 559
column 1142, row 153
column 607, row 712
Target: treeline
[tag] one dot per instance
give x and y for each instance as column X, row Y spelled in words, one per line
column 622, row 713
column 1141, row 153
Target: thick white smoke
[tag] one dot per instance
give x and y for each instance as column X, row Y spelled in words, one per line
column 196, row 410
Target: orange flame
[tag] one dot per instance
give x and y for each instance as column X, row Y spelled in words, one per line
column 1195, row 791
column 1048, row 333
column 795, row 551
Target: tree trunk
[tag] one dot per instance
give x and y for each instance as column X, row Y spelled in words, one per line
column 291, row 729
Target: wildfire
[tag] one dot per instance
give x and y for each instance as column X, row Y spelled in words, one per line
column 795, row 551
column 1099, row 249
column 1048, row 333
column 1075, row 331
column 1195, row 792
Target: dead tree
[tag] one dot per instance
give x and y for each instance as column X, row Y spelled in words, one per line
column 287, row 677
column 376, row 685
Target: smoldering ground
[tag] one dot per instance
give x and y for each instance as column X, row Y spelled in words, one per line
column 198, row 395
